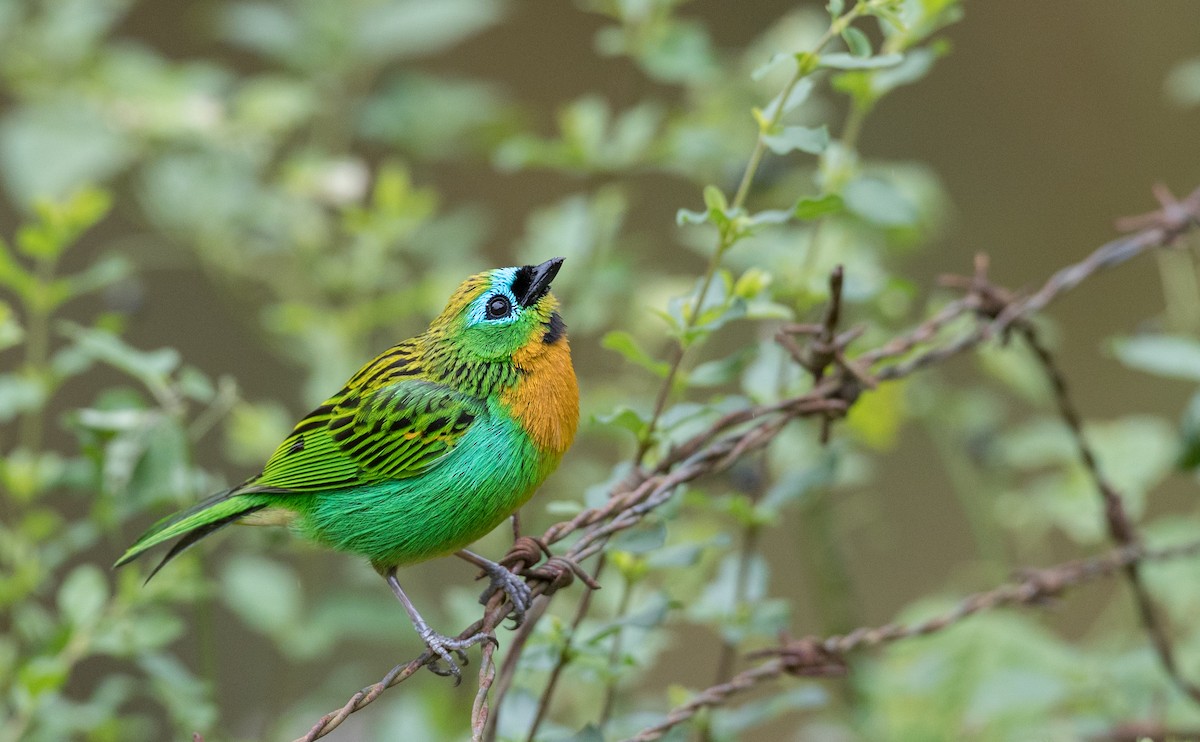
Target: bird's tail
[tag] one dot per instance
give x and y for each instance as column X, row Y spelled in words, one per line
column 193, row 524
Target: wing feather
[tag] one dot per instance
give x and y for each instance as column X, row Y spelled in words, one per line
column 397, row 430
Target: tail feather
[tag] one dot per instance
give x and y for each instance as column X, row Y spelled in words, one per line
column 191, row 525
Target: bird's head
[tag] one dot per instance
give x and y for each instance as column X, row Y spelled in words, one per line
column 495, row 314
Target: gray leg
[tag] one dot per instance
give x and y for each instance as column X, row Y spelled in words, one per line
column 440, row 645
column 501, row 579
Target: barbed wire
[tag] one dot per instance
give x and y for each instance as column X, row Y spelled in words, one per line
column 840, row 380
column 816, row 656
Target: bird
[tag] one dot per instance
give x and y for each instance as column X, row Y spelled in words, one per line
column 425, row 449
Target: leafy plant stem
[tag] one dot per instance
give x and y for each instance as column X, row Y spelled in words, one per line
column 37, row 352
column 614, row 656
column 728, row 237
column 729, row 647
column 565, row 655
column 851, row 130
column 76, row 648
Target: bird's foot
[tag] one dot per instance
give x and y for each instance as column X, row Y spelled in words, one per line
column 513, row 586
column 447, row 649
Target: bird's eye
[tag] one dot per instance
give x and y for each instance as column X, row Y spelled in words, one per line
column 498, row 307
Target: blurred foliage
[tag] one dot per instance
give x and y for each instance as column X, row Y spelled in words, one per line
column 286, row 166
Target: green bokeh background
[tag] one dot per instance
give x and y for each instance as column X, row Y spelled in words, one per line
column 245, row 162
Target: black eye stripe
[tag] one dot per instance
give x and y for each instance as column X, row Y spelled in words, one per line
column 498, row 307
column 521, row 281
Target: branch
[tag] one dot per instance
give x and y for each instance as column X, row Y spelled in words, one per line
column 814, row 656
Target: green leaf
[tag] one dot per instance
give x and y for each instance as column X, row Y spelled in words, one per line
column 770, row 216
column 1183, row 83
column 625, row 344
column 811, row 140
column 265, row 594
column 714, row 199
column 797, row 95
column 195, row 384
column 839, row 61
column 563, row 508
column 160, row 460
column 1162, row 355
column 147, row 630
column 253, row 430
column 876, row 418
column 11, row 332
column 625, row 417
column 675, row 556
column 151, row 367
column 1189, row 433
column 99, row 275
column 182, row 693
column 857, row 42
column 720, row 372
column 915, row 66
column 776, row 59
column 43, row 674
column 647, row 614
column 83, row 595
column 641, row 539
column 1135, row 453
column 879, row 202
column 14, row 275
column 796, row 485
column 116, row 420
column 807, row 63
column 733, row 723
column 818, row 206
column 1016, row 366
column 417, row 28
column 50, row 150
column 20, row 394
column 27, row 475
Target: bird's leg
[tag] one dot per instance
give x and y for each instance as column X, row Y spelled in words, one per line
column 439, row 644
column 501, row 579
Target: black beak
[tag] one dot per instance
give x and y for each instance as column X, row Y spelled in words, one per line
column 536, row 281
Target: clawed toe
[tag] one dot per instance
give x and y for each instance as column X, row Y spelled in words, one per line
column 515, row 588
column 452, row 669
column 447, row 649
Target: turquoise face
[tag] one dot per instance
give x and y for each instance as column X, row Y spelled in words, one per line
column 496, row 305
column 495, row 323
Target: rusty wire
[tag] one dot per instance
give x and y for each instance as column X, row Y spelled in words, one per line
column 812, row 656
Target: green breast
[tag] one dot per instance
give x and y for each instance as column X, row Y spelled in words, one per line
column 493, row 470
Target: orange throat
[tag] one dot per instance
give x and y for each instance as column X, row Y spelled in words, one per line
column 546, row 399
